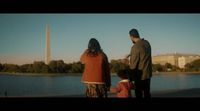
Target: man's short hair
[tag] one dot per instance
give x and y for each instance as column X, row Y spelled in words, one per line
column 134, row 33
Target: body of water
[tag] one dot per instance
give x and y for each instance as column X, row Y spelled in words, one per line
column 72, row 85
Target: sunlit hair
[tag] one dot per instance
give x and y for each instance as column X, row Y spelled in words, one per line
column 93, row 46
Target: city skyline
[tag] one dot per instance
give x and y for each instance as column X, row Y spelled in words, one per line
column 23, row 35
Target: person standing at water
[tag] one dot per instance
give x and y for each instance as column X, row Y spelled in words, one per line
column 124, row 86
column 140, row 64
column 96, row 75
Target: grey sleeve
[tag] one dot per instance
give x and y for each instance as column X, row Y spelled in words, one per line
column 135, row 56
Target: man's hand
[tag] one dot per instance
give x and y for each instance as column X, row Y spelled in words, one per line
column 127, row 56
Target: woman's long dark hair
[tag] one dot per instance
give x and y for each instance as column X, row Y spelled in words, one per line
column 94, row 46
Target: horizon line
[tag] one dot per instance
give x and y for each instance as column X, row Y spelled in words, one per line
column 74, row 61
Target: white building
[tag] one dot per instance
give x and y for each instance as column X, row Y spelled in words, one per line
column 183, row 60
column 176, row 59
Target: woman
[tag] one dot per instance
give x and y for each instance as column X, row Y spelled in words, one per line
column 96, row 74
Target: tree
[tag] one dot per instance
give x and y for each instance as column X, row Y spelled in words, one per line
column 60, row 66
column 77, row 67
column 1, row 66
column 116, row 65
column 57, row 66
column 40, row 67
column 176, row 68
column 196, row 65
column 30, row 68
column 67, row 68
column 53, row 66
column 45, row 68
column 168, row 67
column 157, row 67
column 193, row 66
column 24, row 68
column 10, row 68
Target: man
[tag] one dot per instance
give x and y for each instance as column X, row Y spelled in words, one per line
column 141, row 64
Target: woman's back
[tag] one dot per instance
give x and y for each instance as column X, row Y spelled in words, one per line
column 93, row 67
column 96, row 74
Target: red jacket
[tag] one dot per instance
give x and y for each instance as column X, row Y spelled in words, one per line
column 96, row 69
column 123, row 89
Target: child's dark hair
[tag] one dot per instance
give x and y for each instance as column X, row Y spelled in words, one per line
column 122, row 74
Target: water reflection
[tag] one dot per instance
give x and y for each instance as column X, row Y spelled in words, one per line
column 72, row 85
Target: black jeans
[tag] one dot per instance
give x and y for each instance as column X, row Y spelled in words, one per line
column 142, row 88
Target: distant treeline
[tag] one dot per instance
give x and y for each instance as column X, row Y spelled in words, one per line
column 58, row 66
column 55, row 66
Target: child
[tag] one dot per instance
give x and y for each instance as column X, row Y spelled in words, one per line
column 124, row 86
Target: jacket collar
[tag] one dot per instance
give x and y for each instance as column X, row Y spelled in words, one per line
column 124, row 80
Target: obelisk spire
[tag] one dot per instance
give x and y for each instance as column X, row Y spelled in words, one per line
column 48, row 48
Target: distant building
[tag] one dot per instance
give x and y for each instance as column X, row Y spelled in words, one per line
column 166, row 58
column 183, row 60
column 176, row 59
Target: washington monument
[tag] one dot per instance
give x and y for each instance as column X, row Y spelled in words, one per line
column 48, row 48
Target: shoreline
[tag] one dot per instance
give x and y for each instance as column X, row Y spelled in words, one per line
column 44, row 74
column 172, row 93
column 171, row 73
column 79, row 74
column 40, row 74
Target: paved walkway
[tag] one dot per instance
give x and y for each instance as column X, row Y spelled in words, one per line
column 184, row 93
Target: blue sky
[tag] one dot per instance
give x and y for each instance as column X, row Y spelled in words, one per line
column 22, row 36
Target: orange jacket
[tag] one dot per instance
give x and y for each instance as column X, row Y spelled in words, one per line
column 96, row 69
